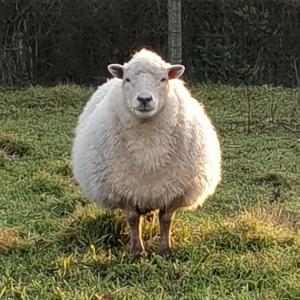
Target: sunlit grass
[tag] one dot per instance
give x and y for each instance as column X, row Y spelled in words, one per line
column 243, row 244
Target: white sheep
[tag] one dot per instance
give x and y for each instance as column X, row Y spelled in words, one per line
column 143, row 143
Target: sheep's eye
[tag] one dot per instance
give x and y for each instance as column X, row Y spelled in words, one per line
column 163, row 80
column 127, row 79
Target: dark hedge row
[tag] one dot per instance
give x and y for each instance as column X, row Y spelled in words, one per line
column 232, row 41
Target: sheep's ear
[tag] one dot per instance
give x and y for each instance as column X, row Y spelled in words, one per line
column 175, row 71
column 116, row 70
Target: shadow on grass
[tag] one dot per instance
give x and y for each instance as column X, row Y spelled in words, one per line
column 89, row 225
column 95, row 240
column 251, row 230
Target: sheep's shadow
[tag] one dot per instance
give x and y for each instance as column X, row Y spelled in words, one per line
column 100, row 241
column 93, row 227
column 108, row 231
column 105, row 231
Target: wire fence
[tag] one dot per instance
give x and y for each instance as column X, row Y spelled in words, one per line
column 234, row 42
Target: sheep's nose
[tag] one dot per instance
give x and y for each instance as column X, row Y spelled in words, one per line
column 144, row 100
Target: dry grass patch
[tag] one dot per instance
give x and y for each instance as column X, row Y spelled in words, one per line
column 9, row 238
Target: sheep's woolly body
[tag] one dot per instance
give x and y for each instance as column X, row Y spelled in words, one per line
column 119, row 159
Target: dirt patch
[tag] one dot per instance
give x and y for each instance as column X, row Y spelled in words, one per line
column 12, row 146
column 273, row 179
column 276, row 181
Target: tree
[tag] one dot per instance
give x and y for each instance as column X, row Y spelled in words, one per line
column 174, row 31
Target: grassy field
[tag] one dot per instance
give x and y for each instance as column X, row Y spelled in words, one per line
column 243, row 244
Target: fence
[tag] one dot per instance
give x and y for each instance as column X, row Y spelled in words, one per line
column 228, row 41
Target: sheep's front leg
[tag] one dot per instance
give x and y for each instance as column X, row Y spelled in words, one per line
column 136, row 244
column 165, row 221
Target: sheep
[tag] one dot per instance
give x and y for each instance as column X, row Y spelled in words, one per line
column 143, row 143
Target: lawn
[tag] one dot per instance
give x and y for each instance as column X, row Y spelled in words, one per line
column 243, row 244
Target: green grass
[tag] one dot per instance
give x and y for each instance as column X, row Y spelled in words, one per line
column 243, row 244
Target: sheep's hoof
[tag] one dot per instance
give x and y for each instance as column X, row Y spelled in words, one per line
column 164, row 251
column 134, row 256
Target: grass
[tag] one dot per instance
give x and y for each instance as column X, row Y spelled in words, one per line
column 243, row 244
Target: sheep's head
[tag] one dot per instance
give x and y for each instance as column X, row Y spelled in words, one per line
column 145, row 82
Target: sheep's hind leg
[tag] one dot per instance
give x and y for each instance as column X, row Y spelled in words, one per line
column 165, row 221
column 136, row 244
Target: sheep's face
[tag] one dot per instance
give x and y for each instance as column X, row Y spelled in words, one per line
column 145, row 86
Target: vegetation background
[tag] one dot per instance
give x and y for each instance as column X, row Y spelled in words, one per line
column 228, row 41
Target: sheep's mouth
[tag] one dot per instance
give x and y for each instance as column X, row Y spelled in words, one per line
column 144, row 109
